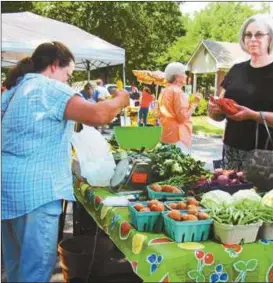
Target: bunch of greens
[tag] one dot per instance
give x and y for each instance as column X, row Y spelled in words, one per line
column 168, row 161
column 268, row 199
column 234, row 216
column 244, row 199
column 180, row 180
column 113, row 143
column 217, row 199
column 265, row 214
column 242, row 208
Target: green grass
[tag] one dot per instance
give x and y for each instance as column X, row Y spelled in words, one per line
column 200, row 124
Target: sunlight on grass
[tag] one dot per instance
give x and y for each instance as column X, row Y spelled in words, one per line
column 200, row 124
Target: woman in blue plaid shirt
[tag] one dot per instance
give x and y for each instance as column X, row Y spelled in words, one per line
column 38, row 114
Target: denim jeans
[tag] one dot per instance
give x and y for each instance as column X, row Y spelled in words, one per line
column 30, row 244
column 143, row 114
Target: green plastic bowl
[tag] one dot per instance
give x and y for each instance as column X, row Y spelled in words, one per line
column 137, row 137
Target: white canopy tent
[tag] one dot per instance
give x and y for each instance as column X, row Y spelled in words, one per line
column 23, row 32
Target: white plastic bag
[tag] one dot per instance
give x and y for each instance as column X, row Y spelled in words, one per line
column 97, row 163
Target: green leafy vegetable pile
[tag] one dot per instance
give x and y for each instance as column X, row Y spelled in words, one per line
column 169, row 163
column 113, row 142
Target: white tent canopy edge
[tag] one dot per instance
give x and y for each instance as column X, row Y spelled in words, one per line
column 23, row 32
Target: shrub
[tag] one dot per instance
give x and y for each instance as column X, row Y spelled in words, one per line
column 201, row 109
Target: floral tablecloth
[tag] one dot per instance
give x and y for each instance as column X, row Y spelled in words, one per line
column 157, row 258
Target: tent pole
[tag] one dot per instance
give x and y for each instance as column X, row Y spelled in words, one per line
column 123, row 74
column 88, row 70
column 124, row 79
column 156, row 89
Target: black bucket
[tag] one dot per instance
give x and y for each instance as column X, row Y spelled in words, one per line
column 76, row 255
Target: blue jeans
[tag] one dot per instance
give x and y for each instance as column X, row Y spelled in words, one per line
column 30, row 244
column 143, row 114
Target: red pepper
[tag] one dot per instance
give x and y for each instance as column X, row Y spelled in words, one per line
column 227, row 105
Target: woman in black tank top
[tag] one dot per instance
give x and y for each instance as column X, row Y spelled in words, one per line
column 250, row 84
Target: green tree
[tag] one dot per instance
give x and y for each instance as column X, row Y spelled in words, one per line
column 16, row 6
column 144, row 29
column 220, row 21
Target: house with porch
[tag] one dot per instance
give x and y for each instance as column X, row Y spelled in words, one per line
column 214, row 57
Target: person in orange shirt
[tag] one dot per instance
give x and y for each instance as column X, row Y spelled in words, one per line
column 174, row 109
column 145, row 101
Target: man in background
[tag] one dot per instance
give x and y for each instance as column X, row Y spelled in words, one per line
column 88, row 92
column 103, row 93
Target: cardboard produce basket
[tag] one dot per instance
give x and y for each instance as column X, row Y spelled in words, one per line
column 266, row 231
column 235, row 234
column 187, row 231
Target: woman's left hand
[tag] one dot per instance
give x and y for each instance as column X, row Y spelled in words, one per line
column 244, row 113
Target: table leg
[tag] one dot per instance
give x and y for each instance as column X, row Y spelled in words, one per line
column 62, row 220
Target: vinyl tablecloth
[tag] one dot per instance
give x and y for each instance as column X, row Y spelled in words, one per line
column 157, row 258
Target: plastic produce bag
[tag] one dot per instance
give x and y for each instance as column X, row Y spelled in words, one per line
column 97, row 163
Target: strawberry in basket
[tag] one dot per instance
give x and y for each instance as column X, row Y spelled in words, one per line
column 227, row 105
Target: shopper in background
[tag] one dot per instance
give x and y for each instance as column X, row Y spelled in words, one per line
column 38, row 114
column 146, row 99
column 88, row 92
column 174, row 109
column 102, row 94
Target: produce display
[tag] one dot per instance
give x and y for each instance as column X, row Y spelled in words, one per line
column 267, row 199
column 227, row 180
column 217, row 215
column 227, row 177
column 224, row 198
column 152, row 205
column 222, row 177
column 171, row 167
column 175, row 251
column 146, row 216
column 244, row 212
column 165, row 188
column 191, row 204
column 238, row 217
column 178, row 216
column 234, row 216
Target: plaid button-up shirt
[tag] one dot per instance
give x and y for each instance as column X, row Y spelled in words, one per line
column 36, row 149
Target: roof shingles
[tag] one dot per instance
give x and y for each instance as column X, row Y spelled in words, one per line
column 226, row 53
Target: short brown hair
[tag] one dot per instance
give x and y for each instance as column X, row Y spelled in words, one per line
column 88, row 86
column 147, row 89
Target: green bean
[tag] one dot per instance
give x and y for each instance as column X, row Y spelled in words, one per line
column 241, row 218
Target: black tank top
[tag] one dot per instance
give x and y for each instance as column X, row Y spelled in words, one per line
column 253, row 88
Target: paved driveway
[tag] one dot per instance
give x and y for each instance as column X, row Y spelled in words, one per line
column 207, row 149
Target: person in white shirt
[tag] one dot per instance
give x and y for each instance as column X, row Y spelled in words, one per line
column 101, row 95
